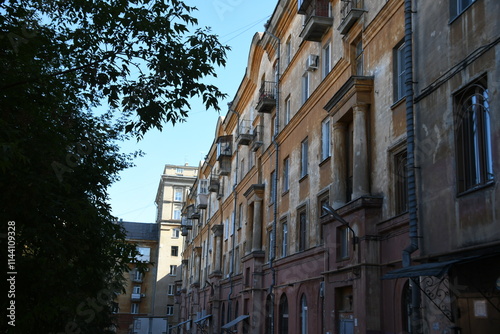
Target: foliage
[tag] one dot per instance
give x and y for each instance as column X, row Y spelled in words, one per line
column 59, row 60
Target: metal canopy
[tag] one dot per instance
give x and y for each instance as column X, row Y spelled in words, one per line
column 202, row 318
column 235, row 321
column 437, row 269
column 180, row 324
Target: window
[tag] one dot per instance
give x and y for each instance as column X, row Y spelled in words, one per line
column 287, row 110
column 269, row 314
column 459, row 6
column 358, row 57
column 284, row 239
column 399, row 73
column 305, row 87
column 304, row 159
column 178, row 195
column 400, row 182
column 327, row 66
column 177, row 214
column 171, row 289
column 170, row 309
column 226, row 228
column 136, row 289
column 349, row 161
column 144, row 253
column 322, row 200
column 175, row 251
column 288, row 51
column 302, row 225
column 136, row 276
column 270, row 242
column 176, row 233
column 326, row 150
column 272, row 188
column 343, row 242
column 286, row 171
column 173, row 270
column 473, row 137
column 240, row 214
column 283, row 315
column 303, row 315
column 179, row 170
column 134, row 308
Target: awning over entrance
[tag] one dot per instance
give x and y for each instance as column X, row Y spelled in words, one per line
column 437, row 269
column 202, row 318
column 180, row 324
column 235, row 321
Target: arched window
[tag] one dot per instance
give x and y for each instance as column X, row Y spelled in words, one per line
column 283, row 316
column 269, row 314
column 406, row 308
column 303, row 315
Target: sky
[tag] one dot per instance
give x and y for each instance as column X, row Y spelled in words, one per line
column 235, row 22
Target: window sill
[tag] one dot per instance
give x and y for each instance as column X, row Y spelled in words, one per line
column 398, row 103
column 303, row 178
column 475, row 189
column 325, row 160
column 285, row 192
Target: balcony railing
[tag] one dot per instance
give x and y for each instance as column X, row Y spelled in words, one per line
column 267, row 97
column 350, row 12
column 136, row 297
column 244, row 132
column 258, row 140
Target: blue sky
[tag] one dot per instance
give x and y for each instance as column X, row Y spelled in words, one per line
column 235, row 22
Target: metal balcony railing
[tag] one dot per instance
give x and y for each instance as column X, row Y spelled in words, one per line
column 349, row 5
column 267, row 97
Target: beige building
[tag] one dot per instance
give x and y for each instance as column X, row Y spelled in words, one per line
column 137, row 300
column 173, row 190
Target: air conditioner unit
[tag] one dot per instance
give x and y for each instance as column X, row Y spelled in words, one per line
column 143, row 295
column 312, row 63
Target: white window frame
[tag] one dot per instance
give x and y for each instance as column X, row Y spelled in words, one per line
column 286, row 174
column 327, row 59
column 171, row 289
column 173, row 270
column 288, row 110
column 326, row 147
column 284, row 240
column 176, row 232
column 304, row 158
column 306, row 86
column 178, row 195
column 170, row 309
column 134, row 308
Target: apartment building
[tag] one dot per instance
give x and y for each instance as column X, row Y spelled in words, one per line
column 173, row 190
column 350, row 187
column 137, row 299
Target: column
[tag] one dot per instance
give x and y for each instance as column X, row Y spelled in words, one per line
column 339, row 164
column 360, row 184
column 217, row 252
column 257, row 226
column 197, row 265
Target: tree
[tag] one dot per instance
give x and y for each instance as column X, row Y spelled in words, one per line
column 59, row 60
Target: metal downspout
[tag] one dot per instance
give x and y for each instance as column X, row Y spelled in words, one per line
column 275, row 181
column 412, row 193
column 235, row 193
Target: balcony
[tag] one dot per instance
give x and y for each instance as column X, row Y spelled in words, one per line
column 245, row 135
column 267, row 97
column 318, row 21
column 136, row 297
column 201, row 201
column 213, row 186
column 192, row 213
column 186, row 223
column 257, row 138
column 350, row 12
column 224, row 147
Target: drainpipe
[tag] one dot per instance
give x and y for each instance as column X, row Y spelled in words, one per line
column 235, row 194
column 275, row 180
column 412, row 194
